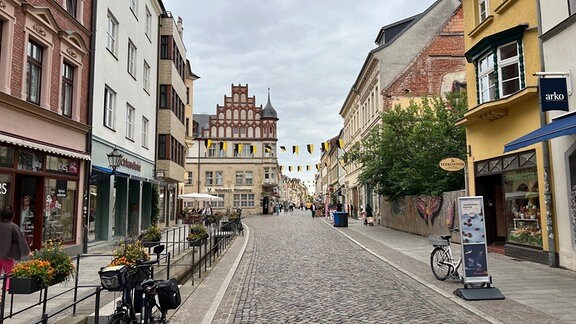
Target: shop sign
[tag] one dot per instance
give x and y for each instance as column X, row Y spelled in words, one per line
column 452, row 164
column 473, row 234
column 553, row 94
column 130, row 164
column 3, row 188
column 61, row 186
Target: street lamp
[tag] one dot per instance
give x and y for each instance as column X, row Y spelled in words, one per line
column 114, row 159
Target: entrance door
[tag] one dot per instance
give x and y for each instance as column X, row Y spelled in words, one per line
column 28, row 208
column 265, row 206
column 490, row 187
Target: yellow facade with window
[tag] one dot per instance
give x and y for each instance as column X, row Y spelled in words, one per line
column 502, row 51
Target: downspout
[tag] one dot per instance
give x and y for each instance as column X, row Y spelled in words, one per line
column 552, row 257
column 88, row 164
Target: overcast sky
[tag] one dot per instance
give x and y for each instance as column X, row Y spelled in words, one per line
column 308, row 52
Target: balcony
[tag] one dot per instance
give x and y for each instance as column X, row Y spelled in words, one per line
column 269, row 183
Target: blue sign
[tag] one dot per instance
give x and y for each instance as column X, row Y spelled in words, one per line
column 553, row 94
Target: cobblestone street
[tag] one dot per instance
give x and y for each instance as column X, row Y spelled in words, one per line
column 299, row 270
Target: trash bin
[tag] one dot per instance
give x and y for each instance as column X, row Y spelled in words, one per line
column 340, row 219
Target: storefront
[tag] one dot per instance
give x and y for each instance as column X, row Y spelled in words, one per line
column 43, row 189
column 512, row 198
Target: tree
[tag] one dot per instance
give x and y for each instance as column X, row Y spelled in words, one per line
column 400, row 156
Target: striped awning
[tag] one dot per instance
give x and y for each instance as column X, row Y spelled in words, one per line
column 43, row 147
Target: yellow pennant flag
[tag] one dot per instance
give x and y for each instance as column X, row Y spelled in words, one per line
column 240, row 148
column 325, row 146
column 252, row 149
column 308, row 168
column 341, row 163
column 310, row 148
column 223, row 146
column 290, row 168
column 299, row 168
column 207, row 143
column 318, row 166
column 283, row 148
column 295, row 149
column 267, row 148
column 340, row 143
column 281, row 168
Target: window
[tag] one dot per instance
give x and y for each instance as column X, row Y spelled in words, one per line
column 165, row 42
column 486, row 78
column 219, row 178
column 109, row 104
column 190, row 180
column 163, row 96
column 162, row 146
column 71, row 6
column 572, row 6
column 220, row 203
column 111, row 33
column 148, row 23
column 499, row 73
column 508, row 63
column 209, row 178
column 146, row 76
column 482, row 10
column 239, row 178
column 134, row 6
column 130, row 112
column 67, row 89
column 145, row 125
column 213, row 149
column 246, row 150
column 248, row 178
column 33, row 72
column 243, row 200
column 131, row 58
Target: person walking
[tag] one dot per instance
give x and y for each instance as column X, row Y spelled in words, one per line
column 313, row 209
column 13, row 245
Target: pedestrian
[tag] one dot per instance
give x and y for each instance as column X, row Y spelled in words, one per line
column 13, row 245
column 313, row 209
column 339, row 207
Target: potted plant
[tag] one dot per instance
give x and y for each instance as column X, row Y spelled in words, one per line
column 30, row 276
column 152, row 236
column 129, row 254
column 196, row 234
column 61, row 262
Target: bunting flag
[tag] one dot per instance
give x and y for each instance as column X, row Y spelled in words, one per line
column 310, row 148
column 252, row 149
column 295, row 149
column 281, row 168
column 325, row 146
column 299, row 168
column 318, row 166
column 267, row 148
column 239, row 148
column 207, row 143
column 340, row 143
column 307, row 168
column 283, row 148
column 223, row 146
column 290, row 168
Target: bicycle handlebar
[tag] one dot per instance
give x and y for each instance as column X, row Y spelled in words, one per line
column 455, row 229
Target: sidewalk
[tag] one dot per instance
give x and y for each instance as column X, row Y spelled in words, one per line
column 534, row 293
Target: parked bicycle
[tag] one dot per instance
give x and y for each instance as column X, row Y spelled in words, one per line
column 443, row 263
column 152, row 298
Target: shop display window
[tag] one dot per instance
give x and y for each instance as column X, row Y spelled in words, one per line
column 29, row 161
column 61, row 164
column 5, row 191
column 523, row 207
column 6, row 156
column 59, row 208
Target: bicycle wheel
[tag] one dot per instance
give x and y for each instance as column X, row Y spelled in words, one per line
column 439, row 260
column 119, row 318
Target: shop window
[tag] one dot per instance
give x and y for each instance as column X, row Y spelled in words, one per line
column 5, row 191
column 6, row 156
column 62, row 164
column 523, row 207
column 29, row 161
column 59, row 210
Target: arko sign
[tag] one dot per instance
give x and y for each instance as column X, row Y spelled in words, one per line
column 553, row 94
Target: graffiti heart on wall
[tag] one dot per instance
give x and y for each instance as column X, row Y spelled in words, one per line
column 428, row 207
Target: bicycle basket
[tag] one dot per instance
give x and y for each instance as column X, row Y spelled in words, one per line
column 437, row 241
column 113, row 278
column 168, row 294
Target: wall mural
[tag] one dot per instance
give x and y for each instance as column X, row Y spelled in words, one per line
column 428, row 207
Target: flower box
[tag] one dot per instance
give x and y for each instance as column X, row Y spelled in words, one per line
column 24, row 285
column 149, row 244
column 199, row 241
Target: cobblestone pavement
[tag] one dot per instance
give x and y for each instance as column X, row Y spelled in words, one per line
column 298, row 270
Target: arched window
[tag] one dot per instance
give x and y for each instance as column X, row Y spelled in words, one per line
column 235, row 114
column 243, row 97
column 235, row 99
column 250, row 115
column 228, row 114
column 221, row 131
column 221, row 116
column 242, row 114
column 228, row 131
column 258, row 134
column 250, row 132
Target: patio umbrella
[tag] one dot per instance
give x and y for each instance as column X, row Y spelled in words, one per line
column 195, row 196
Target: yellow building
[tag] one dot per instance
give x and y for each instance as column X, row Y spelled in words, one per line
column 502, row 50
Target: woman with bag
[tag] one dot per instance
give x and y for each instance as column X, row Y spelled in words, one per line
column 13, row 245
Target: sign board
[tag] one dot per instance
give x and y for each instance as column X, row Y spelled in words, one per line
column 61, row 187
column 553, row 94
column 452, row 164
column 473, row 236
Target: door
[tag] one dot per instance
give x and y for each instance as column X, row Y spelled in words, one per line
column 28, row 209
column 265, row 205
column 490, row 187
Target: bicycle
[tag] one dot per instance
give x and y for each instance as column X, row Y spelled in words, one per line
column 137, row 278
column 442, row 261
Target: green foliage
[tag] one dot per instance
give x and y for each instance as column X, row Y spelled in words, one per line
column 128, row 253
column 153, row 234
column 401, row 156
column 59, row 260
column 196, row 232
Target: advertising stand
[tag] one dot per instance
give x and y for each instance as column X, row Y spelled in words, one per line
column 476, row 277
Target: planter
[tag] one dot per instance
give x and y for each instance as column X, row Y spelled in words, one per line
column 24, row 285
column 199, row 241
column 150, row 244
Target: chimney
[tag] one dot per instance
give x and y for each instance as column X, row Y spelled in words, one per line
column 179, row 26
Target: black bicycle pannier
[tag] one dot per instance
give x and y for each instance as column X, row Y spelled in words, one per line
column 168, row 294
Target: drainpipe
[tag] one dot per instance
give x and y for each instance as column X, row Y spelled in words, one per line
column 552, row 258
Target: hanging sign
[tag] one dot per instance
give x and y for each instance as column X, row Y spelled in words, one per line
column 553, row 94
column 452, row 164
